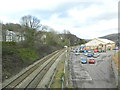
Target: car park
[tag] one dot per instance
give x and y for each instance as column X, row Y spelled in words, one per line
column 91, row 61
column 83, row 60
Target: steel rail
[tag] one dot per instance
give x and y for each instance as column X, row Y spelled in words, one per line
column 20, row 78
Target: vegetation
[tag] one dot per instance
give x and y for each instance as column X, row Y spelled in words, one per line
column 27, row 54
column 114, row 37
column 25, row 43
column 116, row 59
column 57, row 81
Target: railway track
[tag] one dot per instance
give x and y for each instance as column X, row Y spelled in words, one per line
column 32, row 77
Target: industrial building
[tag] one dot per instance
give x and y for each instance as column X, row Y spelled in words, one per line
column 100, row 43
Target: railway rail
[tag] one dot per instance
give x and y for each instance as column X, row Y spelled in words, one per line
column 32, row 76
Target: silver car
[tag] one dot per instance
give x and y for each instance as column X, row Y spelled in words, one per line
column 96, row 55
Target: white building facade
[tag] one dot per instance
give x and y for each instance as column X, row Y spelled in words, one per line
column 13, row 36
column 99, row 43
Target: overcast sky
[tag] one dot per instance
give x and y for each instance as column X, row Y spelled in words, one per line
column 86, row 19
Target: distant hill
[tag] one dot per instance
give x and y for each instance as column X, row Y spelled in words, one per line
column 87, row 40
column 113, row 37
column 74, row 40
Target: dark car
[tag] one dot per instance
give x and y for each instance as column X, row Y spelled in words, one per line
column 81, row 51
column 90, row 54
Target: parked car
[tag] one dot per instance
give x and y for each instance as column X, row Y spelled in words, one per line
column 83, row 60
column 85, row 51
column 100, row 51
column 89, row 51
column 91, row 61
column 81, row 51
column 86, row 54
column 90, row 54
column 77, row 53
column 96, row 55
column 76, row 50
column 96, row 51
column 71, row 50
column 116, row 48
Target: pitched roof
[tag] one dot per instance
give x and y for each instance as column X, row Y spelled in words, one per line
column 97, row 41
column 105, row 40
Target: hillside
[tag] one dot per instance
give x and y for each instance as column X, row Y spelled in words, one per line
column 87, row 40
column 114, row 37
column 19, row 53
column 74, row 40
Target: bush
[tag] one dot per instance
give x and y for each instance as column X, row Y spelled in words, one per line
column 27, row 54
column 8, row 48
column 9, row 43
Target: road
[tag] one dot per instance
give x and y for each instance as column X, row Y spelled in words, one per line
column 98, row 75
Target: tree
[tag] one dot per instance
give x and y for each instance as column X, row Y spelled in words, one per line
column 30, row 24
column 3, row 33
column 44, row 28
column 30, row 21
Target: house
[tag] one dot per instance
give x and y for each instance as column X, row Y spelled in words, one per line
column 12, row 36
column 100, row 43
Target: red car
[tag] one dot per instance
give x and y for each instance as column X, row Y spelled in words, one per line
column 71, row 50
column 96, row 51
column 91, row 61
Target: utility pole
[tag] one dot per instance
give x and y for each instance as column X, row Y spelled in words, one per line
column 69, row 42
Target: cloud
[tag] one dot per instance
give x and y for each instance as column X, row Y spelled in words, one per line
column 102, row 28
column 84, row 18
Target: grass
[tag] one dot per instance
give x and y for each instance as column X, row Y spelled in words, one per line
column 67, row 73
column 14, row 58
column 0, row 46
column 116, row 59
column 27, row 54
column 57, row 81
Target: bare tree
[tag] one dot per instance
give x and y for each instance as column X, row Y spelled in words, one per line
column 30, row 21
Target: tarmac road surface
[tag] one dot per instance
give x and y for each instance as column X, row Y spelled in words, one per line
column 98, row 75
